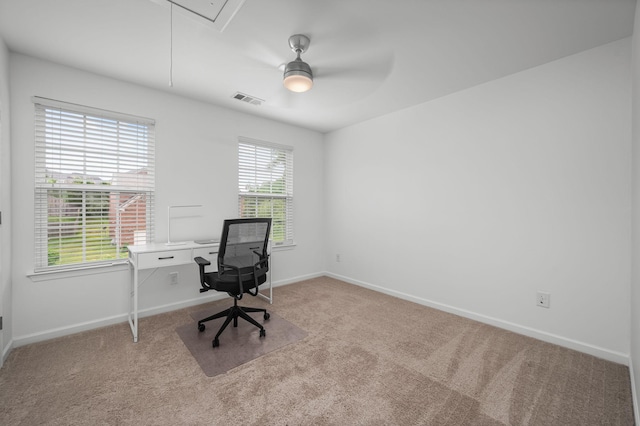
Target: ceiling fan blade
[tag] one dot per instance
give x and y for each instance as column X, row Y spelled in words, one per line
column 282, row 98
column 344, row 73
column 261, row 55
column 345, row 68
column 371, row 65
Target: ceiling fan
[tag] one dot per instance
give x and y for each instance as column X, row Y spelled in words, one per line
column 339, row 73
column 298, row 76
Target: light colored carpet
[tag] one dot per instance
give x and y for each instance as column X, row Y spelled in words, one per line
column 238, row 345
column 369, row 359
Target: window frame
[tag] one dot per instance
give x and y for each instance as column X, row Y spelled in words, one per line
column 74, row 137
column 248, row 173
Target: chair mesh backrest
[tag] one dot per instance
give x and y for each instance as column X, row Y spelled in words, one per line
column 242, row 239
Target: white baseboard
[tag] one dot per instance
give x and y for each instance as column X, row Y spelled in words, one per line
column 156, row 310
column 299, row 278
column 516, row 328
column 634, row 392
column 599, row 352
column 103, row 322
column 64, row 331
column 117, row 319
column 6, row 352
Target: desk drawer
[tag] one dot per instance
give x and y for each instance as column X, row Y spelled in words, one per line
column 209, row 253
column 165, row 258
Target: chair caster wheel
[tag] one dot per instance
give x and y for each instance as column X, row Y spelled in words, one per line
column 201, row 327
column 263, row 333
column 266, row 316
column 216, row 343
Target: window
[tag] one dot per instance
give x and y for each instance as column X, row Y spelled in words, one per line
column 265, row 186
column 94, row 184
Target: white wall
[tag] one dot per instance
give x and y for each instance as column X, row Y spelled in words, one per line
column 196, row 163
column 517, row 185
column 5, row 202
column 475, row 201
column 635, row 275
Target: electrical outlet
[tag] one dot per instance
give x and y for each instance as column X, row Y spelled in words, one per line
column 173, row 278
column 543, row 299
column 337, row 258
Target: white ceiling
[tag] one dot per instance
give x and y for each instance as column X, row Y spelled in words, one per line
column 370, row 57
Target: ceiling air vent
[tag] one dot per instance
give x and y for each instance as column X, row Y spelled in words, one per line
column 248, row 99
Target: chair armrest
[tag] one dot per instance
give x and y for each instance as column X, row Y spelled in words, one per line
column 202, row 262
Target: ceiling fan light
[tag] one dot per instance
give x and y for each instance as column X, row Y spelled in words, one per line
column 298, row 76
column 298, row 83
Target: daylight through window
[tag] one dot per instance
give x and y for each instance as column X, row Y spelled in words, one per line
column 265, row 186
column 94, row 184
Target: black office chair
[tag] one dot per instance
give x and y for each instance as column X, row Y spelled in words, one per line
column 243, row 263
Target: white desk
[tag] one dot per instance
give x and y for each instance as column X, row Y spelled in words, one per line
column 160, row 255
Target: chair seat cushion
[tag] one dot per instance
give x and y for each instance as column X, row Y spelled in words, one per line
column 228, row 281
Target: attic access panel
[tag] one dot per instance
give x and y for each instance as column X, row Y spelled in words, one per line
column 217, row 12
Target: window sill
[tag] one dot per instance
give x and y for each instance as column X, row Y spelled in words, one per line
column 283, row 247
column 77, row 271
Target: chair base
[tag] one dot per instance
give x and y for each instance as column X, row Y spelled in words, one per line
column 233, row 313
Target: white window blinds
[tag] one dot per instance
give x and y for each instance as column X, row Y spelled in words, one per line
column 94, row 184
column 265, row 186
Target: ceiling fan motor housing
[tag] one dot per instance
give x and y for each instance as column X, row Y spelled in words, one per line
column 297, row 74
column 299, row 43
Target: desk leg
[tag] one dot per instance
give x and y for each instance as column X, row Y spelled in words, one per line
column 133, row 314
column 270, row 297
column 135, row 306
